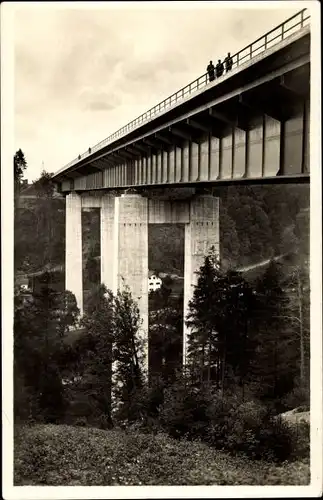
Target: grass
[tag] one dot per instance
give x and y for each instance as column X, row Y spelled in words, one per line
column 61, row 455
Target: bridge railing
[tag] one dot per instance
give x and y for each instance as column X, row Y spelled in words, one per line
column 271, row 38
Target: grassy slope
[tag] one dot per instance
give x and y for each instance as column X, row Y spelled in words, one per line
column 63, row 455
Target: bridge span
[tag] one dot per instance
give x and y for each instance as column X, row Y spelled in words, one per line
column 250, row 125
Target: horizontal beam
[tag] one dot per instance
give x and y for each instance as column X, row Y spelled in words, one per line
column 257, row 107
column 180, row 133
column 164, row 139
column 232, row 121
column 198, row 125
column 289, row 86
column 133, row 151
column 99, row 164
column 141, row 147
column 153, row 142
column 169, row 139
column 301, row 61
column 125, row 154
column 118, row 157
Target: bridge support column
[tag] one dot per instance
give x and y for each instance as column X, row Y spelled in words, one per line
column 201, row 234
column 109, row 241
column 133, row 254
column 73, row 248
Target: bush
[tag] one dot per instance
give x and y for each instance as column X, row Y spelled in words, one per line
column 302, row 441
column 184, row 412
column 81, row 422
column 299, row 396
column 228, row 423
column 248, row 427
column 275, row 440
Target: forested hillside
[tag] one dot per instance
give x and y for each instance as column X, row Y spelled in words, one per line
column 247, row 350
column 39, row 230
column 256, row 223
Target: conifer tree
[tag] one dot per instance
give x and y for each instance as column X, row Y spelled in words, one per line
column 20, row 165
column 204, row 323
column 165, row 334
column 274, row 364
column 95, row 352
column 219, row 343
column 128, row 356
column 40, row 324
column 298, row 314
column 238, row 310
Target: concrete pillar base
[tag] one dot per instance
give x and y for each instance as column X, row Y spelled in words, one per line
column 201, row 234
column 73, row 248
column 109, row 240
column 133, row 254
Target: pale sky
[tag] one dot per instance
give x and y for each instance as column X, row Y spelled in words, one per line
column 80, row 74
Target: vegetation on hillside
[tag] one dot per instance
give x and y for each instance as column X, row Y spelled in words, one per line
column 42, row 220
column 247, row 360
column 74, row 456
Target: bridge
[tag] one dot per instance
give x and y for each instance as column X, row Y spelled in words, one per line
column 250, row 125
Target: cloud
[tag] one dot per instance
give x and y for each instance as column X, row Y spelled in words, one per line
column 104, row 101
column 80, row 74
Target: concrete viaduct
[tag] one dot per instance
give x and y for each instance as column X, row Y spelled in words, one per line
column 251, row 125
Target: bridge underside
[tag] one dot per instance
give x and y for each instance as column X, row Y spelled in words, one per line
column 252, row 126
column 260, row 133
column 124, row 222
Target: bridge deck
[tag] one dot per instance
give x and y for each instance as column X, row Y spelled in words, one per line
column 282, row 52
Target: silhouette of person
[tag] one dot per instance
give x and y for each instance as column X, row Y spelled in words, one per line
column 211, row 71
column 228, row 62
column 219, row 68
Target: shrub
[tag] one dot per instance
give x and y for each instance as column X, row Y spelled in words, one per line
column 299, row 396
column 302, row 441
column 81, row 422
column 184, row 411
column 248, row 427
column 275, row 440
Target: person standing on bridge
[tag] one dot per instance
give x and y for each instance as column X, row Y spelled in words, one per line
column 219, row 68
column 211, row 71
column 228, row 62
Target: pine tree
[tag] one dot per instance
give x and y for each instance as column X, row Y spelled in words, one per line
column 165, row 335
column 238, row 310
column 128, row 357
column 274, row 364
column 298, row 315
column 44, row 185
column 20, row 165
column 40, row 324
column 95, row 352
column 220, row 344
column 92, row 268
column 230, row 245
column 204, row 321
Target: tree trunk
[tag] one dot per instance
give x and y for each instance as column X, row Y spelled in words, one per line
column 301, row 331
column 223, row 366
column 209, row 362
column 202, row 363
column 244, row 354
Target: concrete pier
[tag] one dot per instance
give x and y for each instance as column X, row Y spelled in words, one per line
column 133, row 252
column 109, row 238
column 201, row 233
column 73, row 253
column 124, row 242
